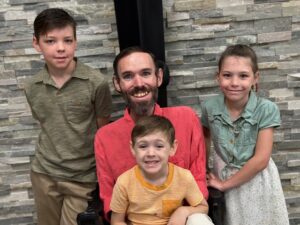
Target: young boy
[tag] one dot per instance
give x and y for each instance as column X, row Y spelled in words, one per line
column 153, row 191
column 70, row 100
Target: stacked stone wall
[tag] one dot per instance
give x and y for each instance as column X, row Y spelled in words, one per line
column 196, row 32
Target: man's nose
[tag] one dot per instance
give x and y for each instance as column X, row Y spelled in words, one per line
column 138, row 81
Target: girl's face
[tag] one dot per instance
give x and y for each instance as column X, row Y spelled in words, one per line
column 236, row 78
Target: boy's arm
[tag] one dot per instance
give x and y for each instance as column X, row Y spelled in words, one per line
column 118, row 219
column 181, row 214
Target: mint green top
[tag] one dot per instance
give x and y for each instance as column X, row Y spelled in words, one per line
column 234, row 141
column 67, row 116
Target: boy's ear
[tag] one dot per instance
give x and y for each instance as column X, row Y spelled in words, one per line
column 131, row 148
column 160, row 75
column 35, row 44
column 174, row 148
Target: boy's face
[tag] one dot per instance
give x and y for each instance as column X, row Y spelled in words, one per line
column 58, row 47
column 152, row 153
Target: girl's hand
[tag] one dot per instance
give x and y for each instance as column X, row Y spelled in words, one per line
column 215, row 182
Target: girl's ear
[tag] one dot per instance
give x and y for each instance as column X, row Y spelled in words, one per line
column 174, row 148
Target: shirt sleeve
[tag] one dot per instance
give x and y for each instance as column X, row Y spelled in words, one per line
column 104, row 174
column 270, row 115
column 198, row 156
column 193, row 195
column 119, row 201
column 103, row 100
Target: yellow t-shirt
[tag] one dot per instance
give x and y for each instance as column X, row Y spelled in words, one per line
column 147, row 204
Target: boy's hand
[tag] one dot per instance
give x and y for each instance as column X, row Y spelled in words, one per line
column 179, row 216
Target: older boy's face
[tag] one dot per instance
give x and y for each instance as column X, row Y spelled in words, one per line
column 138, row 82
column 152, row 153
column 58, row 47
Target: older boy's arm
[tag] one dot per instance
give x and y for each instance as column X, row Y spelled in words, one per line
column 101, row 121
column 118, row 219
column 181, row 214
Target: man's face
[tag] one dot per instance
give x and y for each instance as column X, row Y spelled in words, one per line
column 138, row 82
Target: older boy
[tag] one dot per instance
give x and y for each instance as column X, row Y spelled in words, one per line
column 153, row 191
column 70, row 100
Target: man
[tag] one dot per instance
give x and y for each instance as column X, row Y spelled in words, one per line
column 137, row 78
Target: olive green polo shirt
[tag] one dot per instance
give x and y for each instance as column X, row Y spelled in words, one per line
column 67, row 117
column 235, row 141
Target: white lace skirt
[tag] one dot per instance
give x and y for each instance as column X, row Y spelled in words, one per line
column 257, row 202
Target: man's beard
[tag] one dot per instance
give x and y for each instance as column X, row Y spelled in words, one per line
column 141, row 108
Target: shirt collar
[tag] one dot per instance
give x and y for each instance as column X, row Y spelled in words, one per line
column 157, row 111
column 220, row 109
column 79, row 72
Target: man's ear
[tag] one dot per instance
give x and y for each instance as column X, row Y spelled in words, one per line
column 131, row 148
column 174, row 148
column 116, row 82
column 35, row 44
column 159, row 77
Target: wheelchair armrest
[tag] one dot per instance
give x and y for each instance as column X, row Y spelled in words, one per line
column 94, row 211
column 216, row 203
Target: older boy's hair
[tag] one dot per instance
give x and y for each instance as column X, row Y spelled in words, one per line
column 150, row 124
column 128, row 51
column 50, row 19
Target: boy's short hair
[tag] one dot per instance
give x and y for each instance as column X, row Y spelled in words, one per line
column 50, row 19
column 150, row 124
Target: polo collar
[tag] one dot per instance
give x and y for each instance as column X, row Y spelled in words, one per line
column 157, row 111
column 79, row 72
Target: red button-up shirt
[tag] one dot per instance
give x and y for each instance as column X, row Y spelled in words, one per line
column 113, row 155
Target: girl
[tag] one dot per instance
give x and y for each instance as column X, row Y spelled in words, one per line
column 241, row 126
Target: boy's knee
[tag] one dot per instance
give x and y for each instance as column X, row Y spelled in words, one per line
column 199, row 219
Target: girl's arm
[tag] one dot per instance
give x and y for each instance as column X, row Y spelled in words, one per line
column 118, row 219
column 257, row 163
column 181, row 214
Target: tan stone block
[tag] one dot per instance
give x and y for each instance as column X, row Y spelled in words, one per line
column 274, row 37
column 186, row 5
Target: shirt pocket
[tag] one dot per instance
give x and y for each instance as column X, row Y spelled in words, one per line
column 79, row 110
column 218, row 130
column 169, row 206
column 248, row 133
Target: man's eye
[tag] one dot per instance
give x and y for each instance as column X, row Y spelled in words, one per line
column 127, row 76
column 146, row 73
